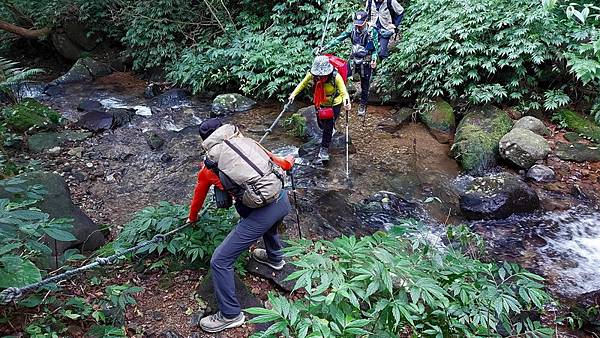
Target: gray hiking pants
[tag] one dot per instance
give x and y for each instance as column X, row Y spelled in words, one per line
column 261, row 222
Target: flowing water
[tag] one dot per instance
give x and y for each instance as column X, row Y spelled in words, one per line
column 399, row 174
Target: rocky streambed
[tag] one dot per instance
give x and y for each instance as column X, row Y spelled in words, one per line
column 126, row 147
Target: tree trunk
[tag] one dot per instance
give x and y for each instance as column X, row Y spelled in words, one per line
column 24, row 32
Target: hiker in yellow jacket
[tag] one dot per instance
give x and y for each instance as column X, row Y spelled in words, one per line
column 329, row 94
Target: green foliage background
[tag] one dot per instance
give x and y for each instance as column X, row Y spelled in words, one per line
column 535, row 55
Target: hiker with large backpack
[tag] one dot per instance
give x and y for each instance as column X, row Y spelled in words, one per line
column 240, row 170
column 385, row 16
column 363, row 58
column 330, row 94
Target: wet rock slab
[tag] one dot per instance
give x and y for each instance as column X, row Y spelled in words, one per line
column 497, row 197
column 277, row 277
column 578, row 152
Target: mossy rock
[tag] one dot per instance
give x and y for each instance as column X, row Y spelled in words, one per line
column 47, row 140
column 579, row 124
column 30, row 114
column 477, row 137
column 440, row 120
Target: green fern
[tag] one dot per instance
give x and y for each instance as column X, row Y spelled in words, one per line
column 11, row 75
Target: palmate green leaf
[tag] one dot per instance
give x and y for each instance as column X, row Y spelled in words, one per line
column 60, row 235
column 17, row 272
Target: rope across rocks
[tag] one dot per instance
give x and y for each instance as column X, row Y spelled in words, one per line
column 13, row 294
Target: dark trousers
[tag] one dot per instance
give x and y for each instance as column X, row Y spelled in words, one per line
column 257, row 223
column 365, row 79
column 384, row 47
column 327, row 126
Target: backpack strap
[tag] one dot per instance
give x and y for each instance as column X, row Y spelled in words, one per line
column 245, row 158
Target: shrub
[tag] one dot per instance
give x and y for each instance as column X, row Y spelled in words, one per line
column 21, row 230
column 400, row 283
column 195, row 243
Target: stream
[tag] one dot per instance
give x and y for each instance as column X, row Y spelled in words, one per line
column 404, row 173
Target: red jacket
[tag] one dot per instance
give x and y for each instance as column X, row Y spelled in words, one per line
column 207, row 178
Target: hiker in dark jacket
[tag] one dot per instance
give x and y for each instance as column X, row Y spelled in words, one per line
column 385, row 16
column 363, row 58
column 261, row 222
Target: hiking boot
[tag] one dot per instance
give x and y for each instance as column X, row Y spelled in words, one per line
column 324, row 154
column 260, row 255
column 217, row 322
column 362, row 109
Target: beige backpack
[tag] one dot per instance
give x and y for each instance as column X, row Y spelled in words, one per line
column 244, row 167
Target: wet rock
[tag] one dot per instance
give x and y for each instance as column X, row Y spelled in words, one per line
column 541, row 173
column 154, row 140
column 65, row 47
column 77, row 33
column 207, row 292
column 47, row 140
column 533, row 124
column 96, row 121
column 58, row 204
column 399, row 117
column 121, row 116
column 523, row 147
column 383, row 208
column 231, row 103
column 54, row 90
column 166, row 158
column 477, row 137
column 497, row 197
column 29, row 114
column 440, row 120
column 78, row 73
column 84, row 70
column 573, row 137
column 578, row 152
column 96, row 68
column 277, row 277
column 171, row 98
column 88, row 105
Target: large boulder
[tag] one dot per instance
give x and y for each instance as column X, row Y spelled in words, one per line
column 65, row 47
column 96, row 121
column 533, row 124
column 231, row 103
column 57, row 203
column 477, row 136
column 84, row 70
column 440, row 120
column 30, row 114
column 578, row 152
column 497, row 197
column 47, row 140
column 523, row 147
column 77, row 33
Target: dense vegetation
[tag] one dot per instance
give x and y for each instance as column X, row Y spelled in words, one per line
column 403, row 282
column 538, row 56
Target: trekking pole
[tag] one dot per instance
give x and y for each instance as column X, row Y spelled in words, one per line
column 270, row 130
column 347, row 145
column 326, row 24
column 296, row 203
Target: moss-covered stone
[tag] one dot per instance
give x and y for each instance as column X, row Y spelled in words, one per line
column 579, row 124
column 47, row 140
column 477, row 136
column 440, row 120
column 30, row 114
